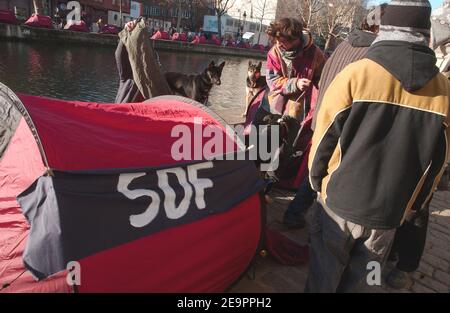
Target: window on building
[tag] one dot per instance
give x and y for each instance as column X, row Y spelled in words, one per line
column 236, row 23
column 252, row 27
column 229, row 22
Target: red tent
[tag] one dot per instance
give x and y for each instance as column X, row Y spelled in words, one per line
column 179, row 37
column 109, row 30
column 161, row 35
column 196, row 40
column 40, row 21
column 214, row 41
column 8, row 17
column 258, row 47
column 97, row 184
column 199, row 40
column 78, row 26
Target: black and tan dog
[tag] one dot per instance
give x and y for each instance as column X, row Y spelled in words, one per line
column 255, row 82
column 198, row 86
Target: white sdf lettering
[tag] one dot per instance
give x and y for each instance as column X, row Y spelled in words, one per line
column 172, row 211
column 139, row 220
column 184, row 179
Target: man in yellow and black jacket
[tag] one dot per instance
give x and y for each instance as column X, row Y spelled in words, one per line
column 379, row 149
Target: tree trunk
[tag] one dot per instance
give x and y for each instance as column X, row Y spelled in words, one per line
column 330, row 43
column 179, row 16
column 37, row 6
column 260, row 30
column 219, row 25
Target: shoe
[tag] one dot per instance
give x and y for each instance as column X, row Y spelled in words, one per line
column 398, row 279
column 297, row 222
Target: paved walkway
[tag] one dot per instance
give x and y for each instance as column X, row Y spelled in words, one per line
column 433, row 274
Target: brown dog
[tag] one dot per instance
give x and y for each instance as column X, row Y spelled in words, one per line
column 255, row 82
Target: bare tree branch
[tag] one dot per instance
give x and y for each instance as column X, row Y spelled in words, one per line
column 329, row 19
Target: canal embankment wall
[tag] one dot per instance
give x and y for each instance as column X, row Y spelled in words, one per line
column 26, row 33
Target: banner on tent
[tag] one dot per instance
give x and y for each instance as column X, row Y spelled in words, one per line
column 75, row 215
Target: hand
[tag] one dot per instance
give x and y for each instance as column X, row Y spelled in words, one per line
column 130, row 25
column 303, row 84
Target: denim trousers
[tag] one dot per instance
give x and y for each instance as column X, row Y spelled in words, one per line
column 340, row 252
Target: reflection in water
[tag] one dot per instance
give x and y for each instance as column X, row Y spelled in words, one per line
column 74, row 72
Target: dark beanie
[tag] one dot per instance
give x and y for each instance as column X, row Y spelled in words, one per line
column 406, row 20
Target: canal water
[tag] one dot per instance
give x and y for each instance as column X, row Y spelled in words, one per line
column 75, row 72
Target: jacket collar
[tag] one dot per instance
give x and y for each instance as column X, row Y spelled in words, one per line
column 413, row 65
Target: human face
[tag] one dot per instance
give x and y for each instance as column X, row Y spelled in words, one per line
column 285, row 44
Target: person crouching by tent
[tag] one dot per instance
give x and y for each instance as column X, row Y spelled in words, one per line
column 140, row 76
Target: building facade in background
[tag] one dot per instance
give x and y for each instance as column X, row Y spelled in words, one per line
column 22, row 8
column 110, row 11
column 243, row 19
column 164, row 13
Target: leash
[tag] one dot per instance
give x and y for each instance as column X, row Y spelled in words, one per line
column 158, row 60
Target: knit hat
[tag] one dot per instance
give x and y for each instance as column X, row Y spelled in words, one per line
column 406, row 20
column 440, row 25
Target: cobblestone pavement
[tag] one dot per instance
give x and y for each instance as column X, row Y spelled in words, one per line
column 432, row 276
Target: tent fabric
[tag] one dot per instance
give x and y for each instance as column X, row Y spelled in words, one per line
column 62, row 202
column 20, row 165
column 98, row 136
column 285, row 250
column 196, row 40
column 89, row 145
column 40, row 21
column 78, row 26
column 8, row 17
column 210, row 257
column 160, row 35
column 179, row 37
column 9, row 117
column 109, row 29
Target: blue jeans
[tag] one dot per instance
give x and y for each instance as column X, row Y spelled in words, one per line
column 340, row 252
column 303, row 200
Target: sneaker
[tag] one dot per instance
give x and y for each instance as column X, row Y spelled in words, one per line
column 398, row 279
column 297, row 222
